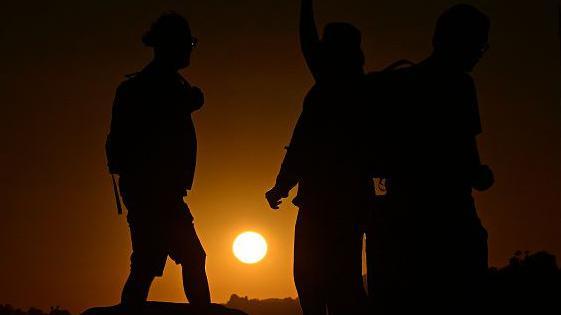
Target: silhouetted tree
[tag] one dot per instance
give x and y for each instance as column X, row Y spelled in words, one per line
column 6, row 309
column 531, row 282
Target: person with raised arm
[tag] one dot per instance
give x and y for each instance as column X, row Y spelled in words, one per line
column 324, row 159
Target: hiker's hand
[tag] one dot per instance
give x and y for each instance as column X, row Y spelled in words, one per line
column 274, row 197
column 484, row 178
column 198, row 97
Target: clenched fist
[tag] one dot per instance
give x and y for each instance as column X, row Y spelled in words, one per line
column 484, row 178
column 274, row 197
column 198, row 97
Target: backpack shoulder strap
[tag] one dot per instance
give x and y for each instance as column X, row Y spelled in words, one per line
column 117, row 197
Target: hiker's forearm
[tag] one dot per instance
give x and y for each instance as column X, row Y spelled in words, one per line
column 309, row 37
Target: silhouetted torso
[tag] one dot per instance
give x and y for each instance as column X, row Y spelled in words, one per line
column 153, row 130
column 325, row 151
column 434, row 122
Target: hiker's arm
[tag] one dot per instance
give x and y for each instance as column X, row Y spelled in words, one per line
column 309, row 37
column 286, row 180
column 118, row 145
column 120, row 129
column 289, row 173
column 290, row 169
column 483, row 177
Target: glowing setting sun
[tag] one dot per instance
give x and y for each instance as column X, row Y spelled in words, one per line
column 250, row 247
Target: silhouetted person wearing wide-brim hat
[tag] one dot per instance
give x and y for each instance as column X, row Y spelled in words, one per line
column 152, row 146
column 427, row 249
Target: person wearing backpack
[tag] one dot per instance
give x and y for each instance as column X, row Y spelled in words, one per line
column 324, row 159
column 427, row 248
column 152, row 147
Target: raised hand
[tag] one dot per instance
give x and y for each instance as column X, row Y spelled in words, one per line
column 309, row 36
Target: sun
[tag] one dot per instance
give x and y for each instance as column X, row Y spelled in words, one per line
column 250, row 247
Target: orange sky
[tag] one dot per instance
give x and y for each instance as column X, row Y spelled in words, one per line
column 61, row 241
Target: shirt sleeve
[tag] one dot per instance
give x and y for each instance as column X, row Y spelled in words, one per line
column 473, row 117
column 289, row 173
column 116, row 137
column 124, row 139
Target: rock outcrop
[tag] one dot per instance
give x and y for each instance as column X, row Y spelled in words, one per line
column 162, row 308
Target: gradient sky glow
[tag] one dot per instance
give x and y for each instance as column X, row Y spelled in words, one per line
column 61, row 241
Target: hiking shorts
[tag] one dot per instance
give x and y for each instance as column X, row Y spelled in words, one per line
column 161, row 225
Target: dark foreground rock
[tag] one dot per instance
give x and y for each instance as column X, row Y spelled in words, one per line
column 162, row 308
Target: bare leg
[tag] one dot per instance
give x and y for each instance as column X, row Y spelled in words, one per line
column 135, row 291
column 195, row 283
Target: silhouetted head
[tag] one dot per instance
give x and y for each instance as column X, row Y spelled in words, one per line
column 462, row 36
column 341, row 48
column 170, row 37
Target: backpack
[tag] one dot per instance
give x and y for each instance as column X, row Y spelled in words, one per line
column 380, row 181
